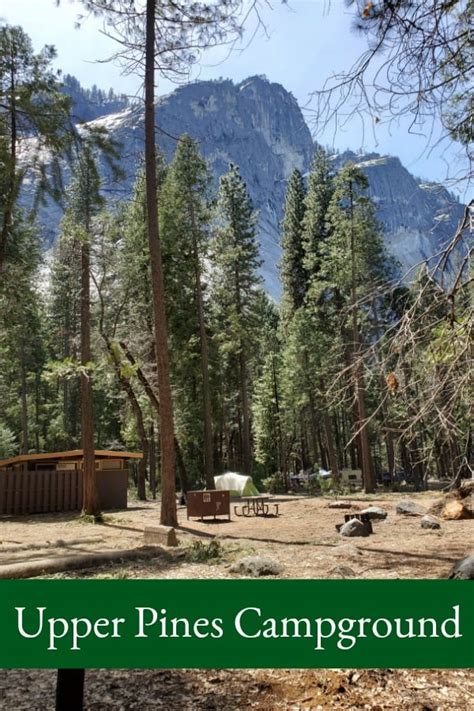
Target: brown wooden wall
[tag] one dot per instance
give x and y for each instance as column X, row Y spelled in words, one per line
column 24, row 492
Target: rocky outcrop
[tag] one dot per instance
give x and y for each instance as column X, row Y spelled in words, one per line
column 259, row 126
column 419, row 217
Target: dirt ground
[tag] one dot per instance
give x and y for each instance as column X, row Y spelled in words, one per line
column 262, row 690
column 304, row 540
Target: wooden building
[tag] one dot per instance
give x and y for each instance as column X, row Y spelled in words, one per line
column 44, row 483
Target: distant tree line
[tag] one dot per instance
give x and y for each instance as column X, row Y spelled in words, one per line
column 91, row 103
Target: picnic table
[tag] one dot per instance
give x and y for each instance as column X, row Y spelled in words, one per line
column 255, row 506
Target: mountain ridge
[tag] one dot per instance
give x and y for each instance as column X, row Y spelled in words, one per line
column 258, row 125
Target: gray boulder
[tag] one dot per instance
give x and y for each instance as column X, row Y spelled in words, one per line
column 463, row 569
column 354, row 527
column 430, row 522
column 256, row 566
column 409, row 508
column 375, row 513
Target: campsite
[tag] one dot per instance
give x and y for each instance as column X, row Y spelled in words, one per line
column 236, row 331
column 301, row 542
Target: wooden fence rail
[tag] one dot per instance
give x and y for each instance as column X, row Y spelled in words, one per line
column 47, row 491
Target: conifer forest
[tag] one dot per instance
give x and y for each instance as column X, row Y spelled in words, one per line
column 199, row 278
column 355, row 367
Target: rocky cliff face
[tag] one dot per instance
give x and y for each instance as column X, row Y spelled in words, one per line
column 259, row 126
column 419, row 217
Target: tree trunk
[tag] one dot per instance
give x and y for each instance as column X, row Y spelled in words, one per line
column 168, row 486
column 281, row 460
column 182, row 473
column 25, row 445
column 312, row 414
column 37, row 410
column 244, row 399
column 90, row 500
column 152, row 457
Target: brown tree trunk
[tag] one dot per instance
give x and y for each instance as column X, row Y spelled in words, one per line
column 244, row 399
column 182, row 473
column 152, row 457
column 90, row 502
column 315, row 444
column 37, row 410
column 25, row 445
column 281, row 459
column 168, row 487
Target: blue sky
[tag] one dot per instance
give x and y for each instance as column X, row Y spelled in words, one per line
column 304, row 43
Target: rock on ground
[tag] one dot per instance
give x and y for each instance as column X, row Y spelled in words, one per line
column 256, row 566
column 430, row 522
column 340, row 505
column 463, row 569
column 342, row 571
column 375, row 513
column 409, row 508
column 354, row 527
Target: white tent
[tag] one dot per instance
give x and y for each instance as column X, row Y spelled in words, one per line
column 237, row 484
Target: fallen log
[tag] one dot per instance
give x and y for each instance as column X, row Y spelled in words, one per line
column 59, row 564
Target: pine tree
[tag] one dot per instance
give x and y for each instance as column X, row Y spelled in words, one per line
column 185, row 215
column 234, row 282
column 355, row 265
column 316, row 204
column 84, row 200
column 316, row 230
column 63, row 315
column 267, row 413
column 32, row 104
column 292, row 270
column 22, row 352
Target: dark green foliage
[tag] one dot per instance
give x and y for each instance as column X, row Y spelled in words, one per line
column 234, row 297
column 184, row 217
column 294, row 276
column 34, row 108
column 315, row 225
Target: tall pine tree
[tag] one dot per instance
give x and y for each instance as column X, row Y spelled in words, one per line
column 185, row 216
column 234, row 283
column 292, row 270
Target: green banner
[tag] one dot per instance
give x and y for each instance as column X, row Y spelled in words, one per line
column 236, row 624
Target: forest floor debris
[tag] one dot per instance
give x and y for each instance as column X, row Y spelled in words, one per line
column 259, row 689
